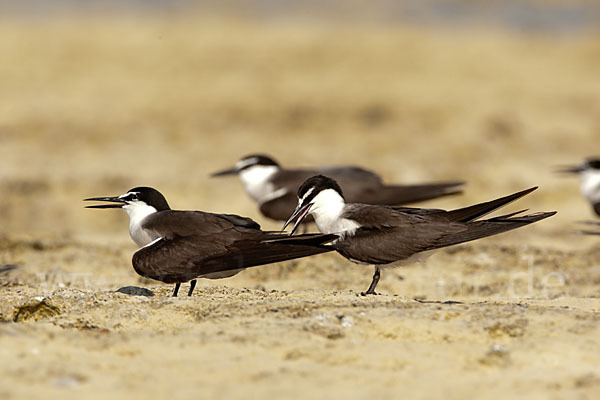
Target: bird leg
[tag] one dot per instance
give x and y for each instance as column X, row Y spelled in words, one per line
column 371, row 289
column 176, row 289
column 192, row 286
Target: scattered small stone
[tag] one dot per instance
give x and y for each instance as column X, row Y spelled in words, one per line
column 37, row 245
column 35, row 309
column 496, row 356
column 135, row 291
column 346, row 322
column 5, row 268
column 587, row 380
column 67, row 382
column 516, row 329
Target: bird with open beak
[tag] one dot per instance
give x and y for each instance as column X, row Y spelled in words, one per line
column 387, row 236
column 180, row 246
column 589, row 172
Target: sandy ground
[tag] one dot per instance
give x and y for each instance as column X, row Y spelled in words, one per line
column 98, row 106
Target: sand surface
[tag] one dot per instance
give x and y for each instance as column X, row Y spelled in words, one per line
column 96, row 106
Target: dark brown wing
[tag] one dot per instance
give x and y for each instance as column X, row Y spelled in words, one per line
column 489, row 227
column 194, row 244
column 280, row 208
column 387, row 235
column 184, row 258
column 470, row 213
column 176, row 259
column 352, row 174
column 251, row 253
column 363, row 186
column 351, row 179
column 390, row 234
column 171, row 223
column 403, row 194
column 473, row 212
column 291, row 179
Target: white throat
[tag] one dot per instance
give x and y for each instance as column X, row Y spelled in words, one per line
column 590, row 185
column 138, row 211
column 257, row 181
column 327, row 209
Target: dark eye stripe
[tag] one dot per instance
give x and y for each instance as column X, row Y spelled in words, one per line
column 246, row 167
column 131, row 196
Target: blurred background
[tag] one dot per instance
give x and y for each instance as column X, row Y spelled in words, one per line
column 97, row 97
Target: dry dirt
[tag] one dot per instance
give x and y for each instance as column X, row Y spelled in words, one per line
column 96, row 106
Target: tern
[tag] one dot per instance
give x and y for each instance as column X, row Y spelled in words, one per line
column 274, row 187
column 388, row 236
column 180, row 246
column 589, row 171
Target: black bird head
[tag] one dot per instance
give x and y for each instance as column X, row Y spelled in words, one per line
column 318, row 190
column 591, row 164
column 247, row 162
column 137, row 197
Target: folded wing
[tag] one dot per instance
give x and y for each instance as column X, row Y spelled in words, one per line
column 194, row 244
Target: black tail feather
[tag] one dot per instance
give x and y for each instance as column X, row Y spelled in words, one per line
column 480, row 229
column 257, row 254
column 405, row 194
column 309, row 239
column 588, row 232
column 473, row 212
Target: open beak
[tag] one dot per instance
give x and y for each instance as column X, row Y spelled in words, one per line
column 570, row 169
column 231, row 171
column 301, row 212
column 120, row 202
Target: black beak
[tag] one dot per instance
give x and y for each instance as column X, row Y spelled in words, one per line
column 570, row 169
column 230, row 171
column 586, row 231
column 300, row 212
column 108, row 199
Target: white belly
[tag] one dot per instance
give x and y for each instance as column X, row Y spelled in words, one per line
column 140, row 236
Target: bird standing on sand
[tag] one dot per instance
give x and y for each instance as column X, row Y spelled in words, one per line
column 388, row 236
column 589, row 171
column 179, row 246
column 274, row 187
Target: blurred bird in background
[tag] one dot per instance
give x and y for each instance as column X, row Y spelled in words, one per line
column 589, row 173
column 274, row 187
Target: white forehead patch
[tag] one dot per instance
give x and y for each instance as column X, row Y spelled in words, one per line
column 246, row 162
column 308, row 192
column 127, row 194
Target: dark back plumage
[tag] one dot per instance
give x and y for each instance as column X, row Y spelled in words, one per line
column 359, row 185
column 390, row 234
column 196, row 243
